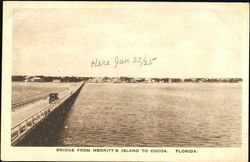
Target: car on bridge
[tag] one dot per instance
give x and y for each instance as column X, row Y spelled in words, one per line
column 53, row 97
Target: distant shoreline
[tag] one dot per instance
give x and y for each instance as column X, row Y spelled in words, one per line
column 122, row 80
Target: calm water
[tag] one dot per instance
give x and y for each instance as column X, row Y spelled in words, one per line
column 164, row 115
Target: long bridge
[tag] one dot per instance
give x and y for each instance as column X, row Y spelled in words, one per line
column 36, row 123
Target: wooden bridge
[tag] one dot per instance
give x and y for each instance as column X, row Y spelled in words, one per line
column 24, row 123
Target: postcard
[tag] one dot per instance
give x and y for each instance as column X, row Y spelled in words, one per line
column 125, row 81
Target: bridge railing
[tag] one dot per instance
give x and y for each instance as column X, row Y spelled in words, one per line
column 27, row 124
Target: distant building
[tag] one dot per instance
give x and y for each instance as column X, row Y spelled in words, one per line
column 141, row 80
column 148, row 80
column 132, row 80
column 89, row 81
column 108, row 81
column 56, row 80
column 33, row 79
column 97, row 80
column 116, row 80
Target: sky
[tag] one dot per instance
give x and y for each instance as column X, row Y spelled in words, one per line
column 186, row 41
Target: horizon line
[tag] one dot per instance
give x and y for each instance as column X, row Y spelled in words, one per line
column 116, row 76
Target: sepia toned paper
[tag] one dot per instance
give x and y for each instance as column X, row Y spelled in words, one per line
column 146, row 42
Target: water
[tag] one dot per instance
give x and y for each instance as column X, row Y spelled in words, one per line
column 157, row 115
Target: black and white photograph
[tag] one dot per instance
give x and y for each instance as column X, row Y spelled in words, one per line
column 150, row 79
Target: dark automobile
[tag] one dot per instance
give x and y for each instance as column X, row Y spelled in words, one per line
column 53, row 97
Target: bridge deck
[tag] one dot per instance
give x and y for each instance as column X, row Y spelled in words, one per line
column 24, row 112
